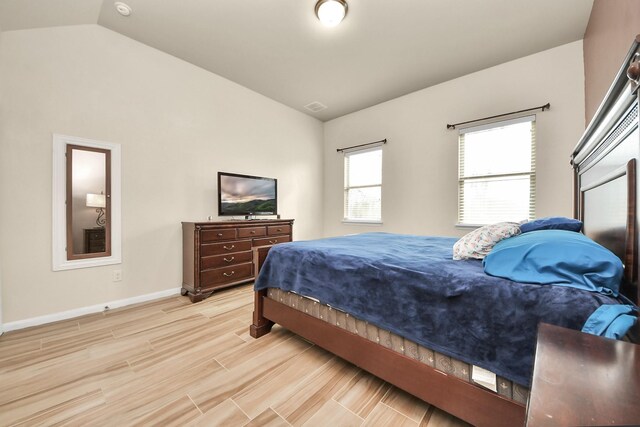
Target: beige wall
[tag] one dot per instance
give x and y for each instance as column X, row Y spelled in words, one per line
column 178, row 126
column 420, row 160
column 612, row 27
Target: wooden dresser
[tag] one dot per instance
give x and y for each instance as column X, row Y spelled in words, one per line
column 217, row 255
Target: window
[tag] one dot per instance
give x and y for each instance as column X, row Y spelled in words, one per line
column 86, row 203
column 363, row 185
column 497, row 179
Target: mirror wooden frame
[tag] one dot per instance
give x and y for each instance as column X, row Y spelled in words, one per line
column 71, row 254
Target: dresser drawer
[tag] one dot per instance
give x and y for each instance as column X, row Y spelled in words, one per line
column 225, row 248
column 226, row 275
column 214, row 235
column 218, row 261
column 274, row 230
column 252, row 232
column 271, row 240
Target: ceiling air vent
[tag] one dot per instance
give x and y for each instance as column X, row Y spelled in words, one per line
column 315, row 106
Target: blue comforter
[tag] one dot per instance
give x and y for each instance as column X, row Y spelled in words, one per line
column 411, row 286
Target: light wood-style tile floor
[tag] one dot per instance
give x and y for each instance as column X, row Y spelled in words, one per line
column 171, row 362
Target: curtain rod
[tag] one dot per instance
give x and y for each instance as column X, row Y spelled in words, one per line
column 383, row 141
column 547, row 106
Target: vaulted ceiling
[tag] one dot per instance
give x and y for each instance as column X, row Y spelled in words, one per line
column 383, row 49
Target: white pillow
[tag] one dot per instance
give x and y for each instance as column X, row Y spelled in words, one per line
column 478, row 243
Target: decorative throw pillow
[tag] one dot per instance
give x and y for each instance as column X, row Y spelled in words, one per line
column 552, row 223
column 478, row 243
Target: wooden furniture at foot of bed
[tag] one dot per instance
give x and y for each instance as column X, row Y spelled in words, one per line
column 261, row 325
column 467, row 401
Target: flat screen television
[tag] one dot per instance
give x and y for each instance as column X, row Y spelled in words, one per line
column 246, row 195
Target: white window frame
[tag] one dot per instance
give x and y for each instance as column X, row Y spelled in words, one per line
column 59, row 221
column 350, row 152
column 532, row 173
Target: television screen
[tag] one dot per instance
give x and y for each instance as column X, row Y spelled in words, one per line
column 246, row 195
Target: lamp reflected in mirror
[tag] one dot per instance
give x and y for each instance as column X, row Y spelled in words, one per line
column 98, row 201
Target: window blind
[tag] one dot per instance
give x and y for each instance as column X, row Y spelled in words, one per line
column 363, row 185
column 497, row 179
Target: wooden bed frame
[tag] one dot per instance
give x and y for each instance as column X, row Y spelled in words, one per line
column 605, row 199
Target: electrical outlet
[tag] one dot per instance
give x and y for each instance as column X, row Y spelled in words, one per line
column 117, row 275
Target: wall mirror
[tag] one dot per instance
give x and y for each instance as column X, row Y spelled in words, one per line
column 86, row 203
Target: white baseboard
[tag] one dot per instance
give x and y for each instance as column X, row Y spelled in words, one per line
column 69, row 314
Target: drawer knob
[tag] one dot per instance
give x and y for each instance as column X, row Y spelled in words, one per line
column 253, row 231
column 230, row 259
column 228, row 274
column 279, row 229
column 219, row 234
column 229, row 247
column 273, row 242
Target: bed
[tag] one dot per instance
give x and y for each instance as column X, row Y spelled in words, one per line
column 414, row 359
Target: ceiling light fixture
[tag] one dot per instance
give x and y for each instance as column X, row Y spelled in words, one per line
column 122, row 8
column 331, row 12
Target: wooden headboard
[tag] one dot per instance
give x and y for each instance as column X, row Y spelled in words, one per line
column 604, row 163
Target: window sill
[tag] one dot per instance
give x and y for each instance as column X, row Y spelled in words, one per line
column 361, row 222
column 469, row 225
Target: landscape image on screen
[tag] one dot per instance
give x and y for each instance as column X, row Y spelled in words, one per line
column 242, row 195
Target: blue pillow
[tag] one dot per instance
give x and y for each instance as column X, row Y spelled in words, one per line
column 552, row 223
column 556, row 257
